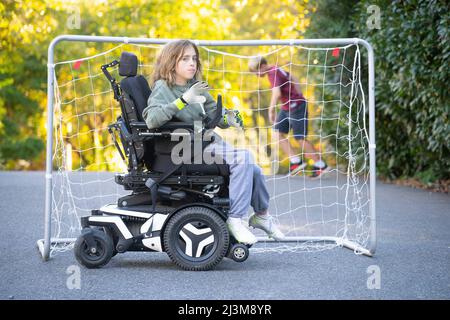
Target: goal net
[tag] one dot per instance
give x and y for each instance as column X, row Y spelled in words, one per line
column 334, row 209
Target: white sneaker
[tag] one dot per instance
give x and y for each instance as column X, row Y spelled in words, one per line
column 268, row 225
column 240, row 232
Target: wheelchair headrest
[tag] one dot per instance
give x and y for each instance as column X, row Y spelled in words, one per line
column 128, row 64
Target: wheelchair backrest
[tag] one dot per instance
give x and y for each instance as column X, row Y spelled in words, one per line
column 134, row 86
column 133, row 99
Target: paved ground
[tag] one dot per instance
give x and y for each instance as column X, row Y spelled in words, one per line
column 413, row 256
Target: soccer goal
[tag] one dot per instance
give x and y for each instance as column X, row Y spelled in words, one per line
column 336, row 76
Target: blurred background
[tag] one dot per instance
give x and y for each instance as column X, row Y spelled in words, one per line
column 410, row 39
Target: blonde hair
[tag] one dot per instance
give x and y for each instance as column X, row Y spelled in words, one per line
column 168, row 58
column 255, row 63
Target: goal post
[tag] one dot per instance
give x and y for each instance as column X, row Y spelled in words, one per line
column 361, row 224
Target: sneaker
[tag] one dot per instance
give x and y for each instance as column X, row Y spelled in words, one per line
column 317, row 172
column 296, row 167
column 240, row 232
column 267, row 225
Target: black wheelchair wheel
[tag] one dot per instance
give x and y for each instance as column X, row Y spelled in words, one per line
column 114, row 238
column 238, row 252
column 196, row 238
column 95, row 251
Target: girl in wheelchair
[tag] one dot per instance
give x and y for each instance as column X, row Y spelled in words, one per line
column 178, row 92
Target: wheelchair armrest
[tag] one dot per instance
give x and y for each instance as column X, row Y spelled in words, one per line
column 167, row 126
column 176, row 125
column 138, row 125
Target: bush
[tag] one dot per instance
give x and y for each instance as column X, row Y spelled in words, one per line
column 412, row 53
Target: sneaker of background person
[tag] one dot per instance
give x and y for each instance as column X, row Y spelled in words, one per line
column 296, row 167
column 319, row 168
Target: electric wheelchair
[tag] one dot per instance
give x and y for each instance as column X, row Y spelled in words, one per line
column 179, row 209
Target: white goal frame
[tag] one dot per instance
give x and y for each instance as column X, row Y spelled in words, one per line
column 45, row 243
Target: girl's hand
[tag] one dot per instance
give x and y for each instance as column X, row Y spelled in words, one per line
column 233, row 118
column 194, row 93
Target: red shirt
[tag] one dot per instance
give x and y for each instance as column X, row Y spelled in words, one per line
column 290, row 97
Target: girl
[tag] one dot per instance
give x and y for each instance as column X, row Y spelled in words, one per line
column 176, row 93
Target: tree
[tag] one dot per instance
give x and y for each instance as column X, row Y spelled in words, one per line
column 29, row 26
column 412, row 54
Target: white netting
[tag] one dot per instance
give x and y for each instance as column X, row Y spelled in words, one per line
column 335, row 206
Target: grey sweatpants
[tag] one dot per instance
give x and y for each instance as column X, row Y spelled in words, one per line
column 247, row 182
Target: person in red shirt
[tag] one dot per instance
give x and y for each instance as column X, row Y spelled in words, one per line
column 293, row 115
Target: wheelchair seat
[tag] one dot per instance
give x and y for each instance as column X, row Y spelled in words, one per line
column 157, row 153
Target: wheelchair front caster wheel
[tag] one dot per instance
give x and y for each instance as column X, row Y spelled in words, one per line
column 239, row 252
column 93, row 248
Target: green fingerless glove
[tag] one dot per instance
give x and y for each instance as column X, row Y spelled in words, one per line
column 239, row 118
column 233, row 118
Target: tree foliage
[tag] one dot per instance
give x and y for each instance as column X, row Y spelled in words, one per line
column 27, row 28
column 411, row 48
column 412, row 51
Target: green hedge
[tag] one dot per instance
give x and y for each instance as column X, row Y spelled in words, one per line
column 412, row 51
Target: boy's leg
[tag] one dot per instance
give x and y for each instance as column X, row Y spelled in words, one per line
column 319, row 166
column 299, row 124
column 281, row 130
column 300, row 128
column 307, row 149
column 283, row 140
column 280, row 134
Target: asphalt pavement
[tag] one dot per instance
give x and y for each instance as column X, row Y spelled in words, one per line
column 412, row 260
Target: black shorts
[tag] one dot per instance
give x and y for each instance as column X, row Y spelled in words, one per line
column 296, row 118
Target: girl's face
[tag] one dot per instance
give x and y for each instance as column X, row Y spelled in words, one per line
column 187, row 66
